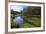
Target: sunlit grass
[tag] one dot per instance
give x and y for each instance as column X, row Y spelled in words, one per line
column 34, row 20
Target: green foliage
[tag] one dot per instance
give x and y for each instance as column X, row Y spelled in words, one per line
column 36, row 22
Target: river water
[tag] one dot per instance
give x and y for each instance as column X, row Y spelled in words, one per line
column 19, row 20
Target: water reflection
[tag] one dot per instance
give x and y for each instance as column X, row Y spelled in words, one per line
column 19, row 21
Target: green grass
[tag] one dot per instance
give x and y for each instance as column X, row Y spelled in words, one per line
column 34, row 20
column 27, row 25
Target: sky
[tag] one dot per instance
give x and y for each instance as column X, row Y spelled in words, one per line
column 18, row 8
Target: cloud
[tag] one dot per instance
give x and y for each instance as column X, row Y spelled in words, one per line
column 18, row 8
